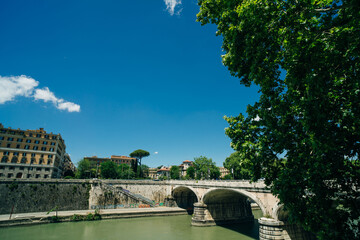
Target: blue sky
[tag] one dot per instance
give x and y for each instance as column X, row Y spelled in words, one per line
column 115, row 76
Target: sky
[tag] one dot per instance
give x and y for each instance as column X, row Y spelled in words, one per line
column 115, row 76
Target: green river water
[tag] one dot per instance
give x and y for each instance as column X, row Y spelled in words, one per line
column 146, row 228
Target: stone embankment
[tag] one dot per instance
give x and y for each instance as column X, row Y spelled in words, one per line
column 71, row 216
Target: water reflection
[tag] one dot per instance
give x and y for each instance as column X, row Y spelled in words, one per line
column 151, row 228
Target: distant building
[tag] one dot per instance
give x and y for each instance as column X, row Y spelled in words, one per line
column 223, row 172
column 96, row 161
column 31, row 153
column 184, row 166
column 153, row 173
column 68, row 165
column 163, row 172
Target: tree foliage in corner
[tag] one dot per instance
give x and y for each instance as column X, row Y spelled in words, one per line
column 303, row 134
column 139, row 154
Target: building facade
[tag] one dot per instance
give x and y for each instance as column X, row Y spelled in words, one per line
column 96, row 161
column 184, row 166
column 31, row 153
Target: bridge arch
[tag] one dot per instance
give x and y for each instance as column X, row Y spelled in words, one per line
column 185, row 197
column 217, row 194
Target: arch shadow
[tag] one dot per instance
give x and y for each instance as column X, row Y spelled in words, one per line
column 185, row 197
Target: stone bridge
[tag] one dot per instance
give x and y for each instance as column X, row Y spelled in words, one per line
column 220, row 202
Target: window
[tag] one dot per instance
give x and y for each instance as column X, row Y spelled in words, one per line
column 51, row 149
column 49, row 161
column 47, row 169
column 46, row 136
column 23, row 160
column 14, row 159
column 53, row 137
column 41, row 160
column 24, row 154
column 30, row 134
column 2, row 167
column 37, row 175
column 10, row 175
column 38, row 135
column 33, row 155
column 12, row 168
column 6, row 153
column 10, row 139
column 32, row 161
column 16, row 153
column 52, row 143
column 46, row 176
column 42, row 155
column 19, row 139
column 35, row 147
column 17, row 145
column 38, row 169
column 4, row 159
column 43, row 149
column 28, row 141
column 1, row 138
column 21, row 168
column 28, row 175
column 50, row 156
column 45, row 142
column 37, row 141
column 8, row 145
column 27, row 147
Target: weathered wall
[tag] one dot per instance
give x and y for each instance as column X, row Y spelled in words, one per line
column 43, row 195
column 35, row 196
column 156, row 191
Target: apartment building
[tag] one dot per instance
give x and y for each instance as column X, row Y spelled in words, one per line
column 96, row 161
column 30, row 153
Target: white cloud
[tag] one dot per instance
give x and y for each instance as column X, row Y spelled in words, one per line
column 69, row 106
column 155, row 152
column 11, row 87
column 171, row 5
column 45, row 95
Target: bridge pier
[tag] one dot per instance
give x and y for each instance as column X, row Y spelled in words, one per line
column 201, row 217
column 275, row 229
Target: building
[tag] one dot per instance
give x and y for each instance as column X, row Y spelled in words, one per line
column 153, row 173
column 163, row 172
column 69, row 166
column 31, row 153
column 184, row 166
column 96, row 161
column 223, row 172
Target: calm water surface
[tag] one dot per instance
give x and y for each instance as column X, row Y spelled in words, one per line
column 147, row 228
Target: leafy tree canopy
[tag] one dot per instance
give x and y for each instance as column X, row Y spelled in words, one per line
column 109, row 170
column 139, row 154
column 205, row 168
column 238, row 165
column 174, row 172
column 83, row 169
column 303, row 134
column 190, row 172
column 124, row 171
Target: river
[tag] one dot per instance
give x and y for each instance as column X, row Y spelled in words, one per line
column 146, row 228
